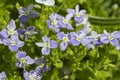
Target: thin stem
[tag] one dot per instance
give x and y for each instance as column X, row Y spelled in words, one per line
column 61, row 6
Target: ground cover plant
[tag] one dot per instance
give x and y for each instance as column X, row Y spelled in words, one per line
column 59, row 40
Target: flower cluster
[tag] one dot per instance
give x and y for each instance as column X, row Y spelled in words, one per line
column 11, row 37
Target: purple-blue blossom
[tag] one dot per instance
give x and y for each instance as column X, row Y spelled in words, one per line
column 13, row 43
column 65, row 40
column 96, row 38
column 46, row 45
column 107, row 37
column 53, row 22
column 5, row 33
column 64, row 22
column 33, row 74
column 26, row 33
column 2, row 75
column 79, row 15
column 23, row 59
column 25, row 13
column 76, row 38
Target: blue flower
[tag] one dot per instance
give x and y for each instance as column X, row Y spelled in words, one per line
column 5, row 33
column 23, row 60
column 53, row 22
column 96, row 38
column 65, row 40
column 33, row 75
column 64, row 22
column 46, row 44
column 107, row 37
column 26, row 33
column 42, row 64
column 2, row 75
column 13, row 43
column 79, row 16
column 26, row 12
column 76, row 38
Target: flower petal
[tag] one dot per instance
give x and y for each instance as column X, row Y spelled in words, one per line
column 20, row 54
column 29, row 60
column 45, row 39
column 114, row 42
column 11, row 25
column 13, row 47
column 45, row 50
column 60, row 35
column 40, row 44
column 63, row 46
column 74, row 42
column 4, row 34
column 53, row 44
column 69, row 27
column 23, row 18
column 20, row 44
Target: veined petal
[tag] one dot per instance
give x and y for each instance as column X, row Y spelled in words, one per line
column 79, row 20
column 20, row 54
column 14, row 38
column 71, row 11
column 20, row 44
column 45, row 50
column 69, row 27
column 63, row 46
column 45, row 39
column 74, row 42
column 114, row 42
column 56, row 29
column 29, row 60
column 49, row 25
column 61, row 24
column 60, row 35
column 23, row 18
column 11, row 25
column 13, row 47
column 53, row 44
column 4, row 34
column 6, row 41
column 40, row 44
column 20, row 31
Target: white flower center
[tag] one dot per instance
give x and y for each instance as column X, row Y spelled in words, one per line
column 10, row 32
column 22, row 60
column 47, row 44
column 65, row 39
column 54, row 22
column 78, row 38
column 110, row 37
column 13, row 43
column 77, row 14
column 65, row 21
column 96, row 38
